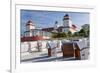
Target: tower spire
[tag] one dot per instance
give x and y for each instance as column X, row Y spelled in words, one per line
column 30, row 27
column 66, row 17
column 66, row 21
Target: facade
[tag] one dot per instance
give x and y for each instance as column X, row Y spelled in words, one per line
column 66, row 26
column 29, row 27
column 45, row 33
column 66, row 23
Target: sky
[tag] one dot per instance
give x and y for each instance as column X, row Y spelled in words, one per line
column 44, row 19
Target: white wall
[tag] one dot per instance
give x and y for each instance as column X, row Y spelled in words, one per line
column 25, row 46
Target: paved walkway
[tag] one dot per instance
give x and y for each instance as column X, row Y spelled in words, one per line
column 42, row 57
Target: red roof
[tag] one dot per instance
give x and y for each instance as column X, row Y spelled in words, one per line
column 74, row 26
column 33, row 38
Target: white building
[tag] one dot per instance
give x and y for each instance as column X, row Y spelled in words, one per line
column 68, row 23
column 29, row 27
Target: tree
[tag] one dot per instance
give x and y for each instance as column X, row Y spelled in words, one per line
column 69, row 33
column 54, row 35
column 87, row 32
column 82, row 32
column 76, row 34
column 86, row 28
column 62, row 34
column 58, row 35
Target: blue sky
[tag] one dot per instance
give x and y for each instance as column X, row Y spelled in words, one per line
column 43, row 19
